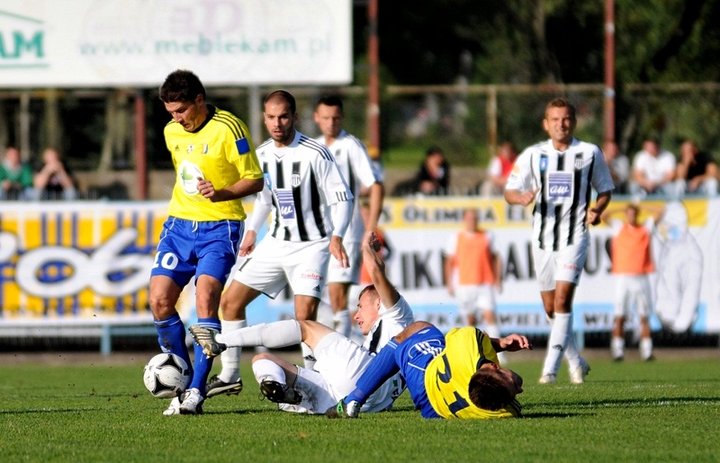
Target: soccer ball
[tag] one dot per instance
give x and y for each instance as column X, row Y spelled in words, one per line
column 166, row 375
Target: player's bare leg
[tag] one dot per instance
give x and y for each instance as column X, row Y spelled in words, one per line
column 617, row 343
column 233, row 302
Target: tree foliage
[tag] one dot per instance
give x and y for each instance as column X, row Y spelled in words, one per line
column 536, row 41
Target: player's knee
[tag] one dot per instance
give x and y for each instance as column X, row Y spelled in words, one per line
column 231, row 307
column 162, row 305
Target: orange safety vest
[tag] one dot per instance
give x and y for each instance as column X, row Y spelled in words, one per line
column 631, row 251
column 473, row 259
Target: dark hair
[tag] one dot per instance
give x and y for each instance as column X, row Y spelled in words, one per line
column 433, row 149
column 181, row 85
column 561, row 102
column 487, row 390
column 282, row 94
column 330, row 100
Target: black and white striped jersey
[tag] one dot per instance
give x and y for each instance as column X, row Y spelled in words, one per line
column 564, row 183
column 358, row 171
column 302, row 180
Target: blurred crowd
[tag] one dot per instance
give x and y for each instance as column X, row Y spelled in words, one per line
column 652, row 171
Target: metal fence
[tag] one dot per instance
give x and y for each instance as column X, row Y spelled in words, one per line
column 94, row 127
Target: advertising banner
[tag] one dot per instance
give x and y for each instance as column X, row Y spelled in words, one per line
column 74, row 260
column 136, row 43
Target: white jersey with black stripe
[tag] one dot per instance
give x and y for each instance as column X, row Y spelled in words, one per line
column 358, row 171
column 391, row 322
column 563, row 182
column 302, row 181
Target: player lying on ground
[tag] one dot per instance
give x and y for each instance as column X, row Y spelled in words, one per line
column 381, row 314
column 451, row 376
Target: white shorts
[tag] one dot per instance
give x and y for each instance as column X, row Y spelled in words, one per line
column 632, row 292
column 340, row 362
column 351, row 274
column 563, row 265
column 472, row 298
column 275, row 263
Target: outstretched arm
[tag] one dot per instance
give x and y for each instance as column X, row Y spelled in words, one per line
column 375, row 266
column 511, row 343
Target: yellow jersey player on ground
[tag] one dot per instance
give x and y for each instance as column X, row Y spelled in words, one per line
column 451, row 376
column 473, row 274
column 216, row 166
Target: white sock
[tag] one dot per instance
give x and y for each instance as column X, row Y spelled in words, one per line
column 617, row 347
column 572, row 354
column 324, row 314
column 230, row 357
column 646, row 348
column 308, row 356
column 494, row 332
column 342, row 322
column 560, row 332
column 282, row 333
column 267, row 369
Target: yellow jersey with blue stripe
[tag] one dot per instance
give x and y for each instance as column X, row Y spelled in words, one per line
column 447, row 376
column 220, row 151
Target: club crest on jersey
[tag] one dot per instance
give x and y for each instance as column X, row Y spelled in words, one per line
column 295, row 180
column 206, row 148
column 578, row 163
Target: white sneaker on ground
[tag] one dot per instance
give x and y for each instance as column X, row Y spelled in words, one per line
column 577, row 376
column 547, row 379
column 173, row 408
column 191, row 403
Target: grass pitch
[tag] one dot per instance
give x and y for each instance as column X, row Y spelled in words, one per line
column 97, row 410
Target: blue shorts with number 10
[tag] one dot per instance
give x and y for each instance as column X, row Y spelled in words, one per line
column 189, row 248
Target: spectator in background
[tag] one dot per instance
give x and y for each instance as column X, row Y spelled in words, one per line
column 632, row 265
column 53, row 180
column 619, row 166
column 697, row 171
column 16, row 177
column 433, row 178
column 473, row 274
column 499, row 169
column 653, row 171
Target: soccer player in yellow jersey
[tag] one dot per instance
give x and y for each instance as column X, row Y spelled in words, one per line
column 451, row 376
column 216, row 166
